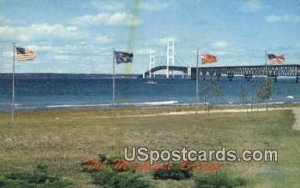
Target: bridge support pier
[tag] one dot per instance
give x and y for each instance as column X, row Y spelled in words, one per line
column 151, row 75
column 273, row 78
column 298, row 79
column 204, row 73
column 193, row 73
column 203, row 76
column 230, row 77
column 248, row 77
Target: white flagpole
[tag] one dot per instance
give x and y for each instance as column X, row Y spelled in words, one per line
column 266, row 57
column 113, row 86
column 197, row 80
column 13, row 85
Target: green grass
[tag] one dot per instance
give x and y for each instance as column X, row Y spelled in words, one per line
column 62, row 139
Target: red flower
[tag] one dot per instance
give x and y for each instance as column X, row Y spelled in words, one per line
column 96, row 166
column 89, row 161
column 184, row 165
column 121, row 165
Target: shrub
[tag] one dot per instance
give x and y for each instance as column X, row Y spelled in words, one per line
column 110, row 173
column 38, row 178
column 218, row 179
column 114, row 179
column 172, row 171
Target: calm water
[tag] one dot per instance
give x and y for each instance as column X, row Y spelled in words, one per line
column 48, row 93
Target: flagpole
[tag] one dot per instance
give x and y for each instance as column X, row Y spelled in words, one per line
column 13, row 85
column 113, row 86
column 197, row 81
column 266, row 57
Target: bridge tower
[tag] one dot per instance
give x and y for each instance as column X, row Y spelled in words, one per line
column 151, row 62
column 170, row 55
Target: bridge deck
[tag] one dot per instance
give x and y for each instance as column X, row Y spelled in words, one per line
column 248, row 70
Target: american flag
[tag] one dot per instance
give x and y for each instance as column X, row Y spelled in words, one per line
column 25, row 54
column 276, row 59
column 208, row 58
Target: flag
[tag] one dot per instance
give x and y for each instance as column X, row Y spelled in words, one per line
column 276, row 59
column 123, row 57
column 207, row 58
column 25, row 54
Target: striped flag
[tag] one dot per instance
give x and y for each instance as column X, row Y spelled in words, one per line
column 25, row 54
column 208, row 58
column 276, row 59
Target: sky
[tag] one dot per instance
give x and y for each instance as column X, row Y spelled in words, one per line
column 79, row 36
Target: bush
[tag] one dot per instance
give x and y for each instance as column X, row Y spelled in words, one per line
column 110, row 173
column 38, row 178
column 172, row 171
column 218, row 179
column 114, row 179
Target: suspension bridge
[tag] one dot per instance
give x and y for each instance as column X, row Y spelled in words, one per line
column 248, row 71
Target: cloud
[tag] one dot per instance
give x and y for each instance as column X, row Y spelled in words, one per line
column 41, row 48
column 6, row 54
column 53, row 49
column 114, row 5
column 22, row 33
column 144, row 51
column 117, row 18
column 252, row 5
column 160, row 41
column 56, row 31
column 76, row 48
column 4, row 21
column 62, row 57
column 285, row 18
column 102, row 39
column 220, row 44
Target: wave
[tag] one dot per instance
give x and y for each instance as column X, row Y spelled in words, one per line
column 24, row 107
column 57, row 106
column 9, row 104
column 279, row 102
column 77, row 105
column 150, row 103
column 290, row 97
column 161, row 103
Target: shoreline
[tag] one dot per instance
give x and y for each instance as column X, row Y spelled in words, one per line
column 152, row 111
column 151, row 105
column 140, row 111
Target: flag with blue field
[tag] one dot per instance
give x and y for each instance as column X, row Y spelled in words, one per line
column 276, row 59
column 24, row 54
column 123, row 57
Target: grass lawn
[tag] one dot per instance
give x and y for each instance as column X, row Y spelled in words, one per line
column 62, row 139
